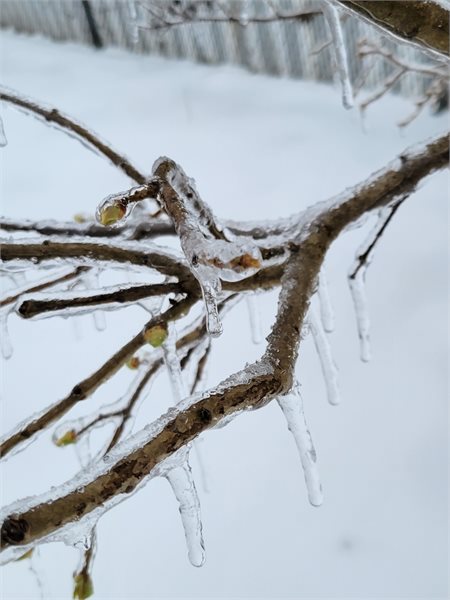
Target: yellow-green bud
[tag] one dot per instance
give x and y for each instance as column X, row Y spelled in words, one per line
column 156, row 335
column 111, row 214
column 83, row 587
column 70, row 437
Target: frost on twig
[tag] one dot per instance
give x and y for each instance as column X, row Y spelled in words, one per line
column 323, row 348
column 292, row 407
column 357, row 276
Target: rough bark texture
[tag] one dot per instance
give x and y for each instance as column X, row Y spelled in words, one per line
column 423, row 22
column 256, row 384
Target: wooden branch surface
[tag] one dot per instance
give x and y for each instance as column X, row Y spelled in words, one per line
column 257, row 383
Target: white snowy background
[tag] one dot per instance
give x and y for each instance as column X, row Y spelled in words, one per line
column 258, row 147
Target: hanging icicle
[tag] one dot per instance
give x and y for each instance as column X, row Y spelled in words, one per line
column 331, row 14
column 323, row 348
column 326, row 309
column 292, row 407
column 357, row 276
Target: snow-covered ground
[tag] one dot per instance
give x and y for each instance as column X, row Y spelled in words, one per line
column 257, row 147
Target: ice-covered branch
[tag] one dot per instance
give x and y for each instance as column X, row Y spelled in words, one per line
column 52, row 116
column 75, row 302
column 133, row 231
column 357, row 275
column 46, row 282
column 25, row 431
column 436, row 73
column 423, row 24
column 210, row 259
column 88, row 253
column 163, row 14
column 131, row 464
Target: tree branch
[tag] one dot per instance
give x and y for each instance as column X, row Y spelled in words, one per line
column 424, row 24
column 143, row 455
column 80, row 132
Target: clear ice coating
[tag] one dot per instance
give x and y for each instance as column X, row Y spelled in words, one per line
column 326, row 309
column 331, row 14
column 3, row 140
column 292, row 407
column 211, row 255
column 357, row 276
column 183, row 486
column 323, row 348
column 115, row 209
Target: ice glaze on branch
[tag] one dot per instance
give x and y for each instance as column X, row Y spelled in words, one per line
column 80, row 132
column 255, row 385
column 422, row 23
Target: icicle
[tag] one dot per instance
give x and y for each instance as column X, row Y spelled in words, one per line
column 179, row 388
column 292, row 407
column 358, row 291
column 3, row 140
column 180, row 478
column 183, row 486
column 357, row 275
column 211, row 287
column 254, row 316
column 326, row 360
column 331, row 15
column 5, row 340
column 326, row 309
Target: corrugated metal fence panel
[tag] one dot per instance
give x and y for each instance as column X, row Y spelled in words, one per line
column 284, row 48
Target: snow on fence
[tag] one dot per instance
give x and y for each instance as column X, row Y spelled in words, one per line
column 285, row 48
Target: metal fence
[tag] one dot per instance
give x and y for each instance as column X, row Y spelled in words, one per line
column 285, row 48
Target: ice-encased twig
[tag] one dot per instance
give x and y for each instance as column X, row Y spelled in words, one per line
column 326, row 308
column 115, row 209
column 58, row 120
column 292, row 407
column 323, row 348
column 211, row 256
column 357, row 275
column 331, row 14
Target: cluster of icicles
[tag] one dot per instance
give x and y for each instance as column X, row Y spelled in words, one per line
column 177, row 469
